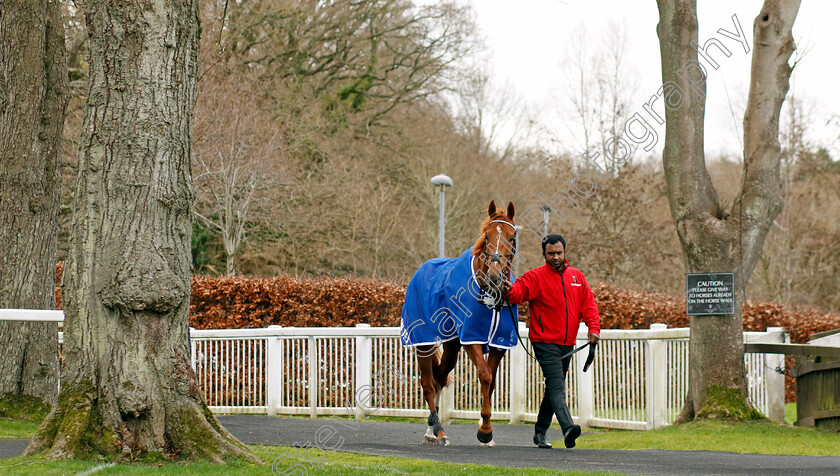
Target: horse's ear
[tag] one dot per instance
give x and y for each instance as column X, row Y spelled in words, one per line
column 511, row 210
column 491, row 210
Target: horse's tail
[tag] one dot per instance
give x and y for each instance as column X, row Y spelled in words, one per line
column 436, row 357
column 435, row 361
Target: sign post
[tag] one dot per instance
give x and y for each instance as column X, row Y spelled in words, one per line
column 709, row 294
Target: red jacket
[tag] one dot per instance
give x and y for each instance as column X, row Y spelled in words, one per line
column 543, row 289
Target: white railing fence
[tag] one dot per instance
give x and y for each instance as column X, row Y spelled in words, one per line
column 639, row 379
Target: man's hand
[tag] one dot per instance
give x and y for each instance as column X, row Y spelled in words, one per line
column 505, row 287
column 593, row 338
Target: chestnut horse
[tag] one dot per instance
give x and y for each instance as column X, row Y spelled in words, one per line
column 454, row 303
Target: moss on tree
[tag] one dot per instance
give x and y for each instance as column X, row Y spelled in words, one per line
column 200, row 437
column 69, row 419
column 727, row 403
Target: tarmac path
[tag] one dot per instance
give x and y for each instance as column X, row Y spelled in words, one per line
column 513, row 448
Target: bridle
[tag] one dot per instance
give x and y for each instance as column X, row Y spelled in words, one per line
column 494, row 298
column 497, row 257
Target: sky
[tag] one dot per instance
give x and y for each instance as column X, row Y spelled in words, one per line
column 528, row 39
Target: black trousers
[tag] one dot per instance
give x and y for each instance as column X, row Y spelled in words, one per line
column 554, row 399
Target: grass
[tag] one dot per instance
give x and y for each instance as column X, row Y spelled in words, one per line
column 279, row 459
column 17, row 429
column 790, row 413
column 20, row 415
column 762, row 437
column 351, row 463
column 23, row 407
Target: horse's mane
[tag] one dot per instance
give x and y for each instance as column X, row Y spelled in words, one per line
column 479, row 242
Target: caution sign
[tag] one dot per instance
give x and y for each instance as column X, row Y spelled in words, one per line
column 709, row 294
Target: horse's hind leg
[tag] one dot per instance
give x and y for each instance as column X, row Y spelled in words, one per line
column 427, row 360
column 451, row 350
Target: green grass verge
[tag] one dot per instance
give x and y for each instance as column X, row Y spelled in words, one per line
column 23, row 407
column 17, row 429
column 21, row 415
column 314, row 461
column 761, row 437
column 352, row 463
column 790, row 413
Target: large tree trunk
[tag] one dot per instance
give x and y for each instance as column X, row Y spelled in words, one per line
column 33, row 97
column 128, row 388
column 714, row 239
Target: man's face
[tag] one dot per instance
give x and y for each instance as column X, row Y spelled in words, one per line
column 554, row 254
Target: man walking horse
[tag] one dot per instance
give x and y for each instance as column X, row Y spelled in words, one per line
column 455, row 302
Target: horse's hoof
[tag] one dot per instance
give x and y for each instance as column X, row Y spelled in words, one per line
column 484, row 438
column 491, row 444
column 429, row 438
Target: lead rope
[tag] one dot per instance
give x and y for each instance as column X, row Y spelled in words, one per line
column 516, row 324
column 516, row 327
column 509, row 306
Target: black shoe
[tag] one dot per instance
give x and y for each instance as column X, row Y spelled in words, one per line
column 541, row 441
column 572, row 435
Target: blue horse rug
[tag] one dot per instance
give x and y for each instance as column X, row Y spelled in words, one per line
column 444, row 301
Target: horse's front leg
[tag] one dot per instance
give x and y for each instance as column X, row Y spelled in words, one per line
column 485, row 376
column 493, row 361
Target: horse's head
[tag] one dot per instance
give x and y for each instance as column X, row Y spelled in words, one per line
column 495, row 247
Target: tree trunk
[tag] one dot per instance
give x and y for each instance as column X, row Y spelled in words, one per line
column 128, row 388
column 230, row 251
column 33, row 98
column 713, row 239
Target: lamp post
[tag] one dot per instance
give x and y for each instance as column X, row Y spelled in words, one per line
column 546, row 210
column 518, row 228
column 442, row 181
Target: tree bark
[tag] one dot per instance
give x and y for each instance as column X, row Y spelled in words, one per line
column 712, row 238
column 33, row 98
column 128, row 388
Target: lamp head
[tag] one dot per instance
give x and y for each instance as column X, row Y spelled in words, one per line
column 441, row 180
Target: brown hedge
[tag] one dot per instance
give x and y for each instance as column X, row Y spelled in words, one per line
column 625, row 309
column 241, row 302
